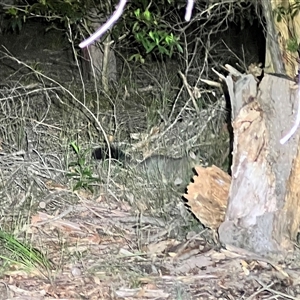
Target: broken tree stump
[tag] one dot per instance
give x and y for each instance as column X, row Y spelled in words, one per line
column 263, row 204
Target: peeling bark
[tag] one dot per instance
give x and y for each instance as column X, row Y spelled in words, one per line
column 261, row 202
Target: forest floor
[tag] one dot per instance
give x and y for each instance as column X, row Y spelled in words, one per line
column 111, row 242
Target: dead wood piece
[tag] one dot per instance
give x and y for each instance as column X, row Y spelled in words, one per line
column 207, row 195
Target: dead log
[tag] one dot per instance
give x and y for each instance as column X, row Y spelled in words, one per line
column 263, row 205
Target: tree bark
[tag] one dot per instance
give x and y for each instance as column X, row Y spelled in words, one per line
column 274, row 61
column 280, row 58
column 262, row 213
column 99, row 62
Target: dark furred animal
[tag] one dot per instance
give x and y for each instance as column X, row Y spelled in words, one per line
column 172, row 170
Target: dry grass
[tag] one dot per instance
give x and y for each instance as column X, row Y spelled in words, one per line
column 132, row 237
column 99, row 234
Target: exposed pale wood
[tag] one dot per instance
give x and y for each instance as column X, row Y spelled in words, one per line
column 246, row 87
column 250, row 169
column 207, row 195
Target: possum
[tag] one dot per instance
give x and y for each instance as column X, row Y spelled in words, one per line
column 168, row 169
column 176, row 171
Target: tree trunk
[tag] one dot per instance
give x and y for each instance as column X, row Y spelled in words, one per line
column 262, row 213
column 99, row 62
column 281, row 55
column 273, row 62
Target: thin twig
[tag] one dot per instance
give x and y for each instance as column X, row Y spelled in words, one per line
column 267, row 288
column 76, row 100
column 187, row 86
column 117, row 14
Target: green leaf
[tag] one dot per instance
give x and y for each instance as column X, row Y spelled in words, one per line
column 87, row 173
column 137, row 13
column 75, row 147
column 12, row 11
column 163, row 50
column 146, row 44
column 151, row 34
column 179, row 48
column 138, row 36
column 150, row 48
column 78, row 186
column 292, row 45
column 81, row 161
column 170, row 39
column 135, row 27
column 147, row 15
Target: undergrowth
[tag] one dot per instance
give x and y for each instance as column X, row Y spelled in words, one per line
column 22, row 253
column 41, row 115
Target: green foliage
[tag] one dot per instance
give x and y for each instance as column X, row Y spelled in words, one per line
column 63, row 11
column 21, row 253
column 150, row 30
column 292, row 45
column 145, row 19
column 81, row 172
column 15, row 20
